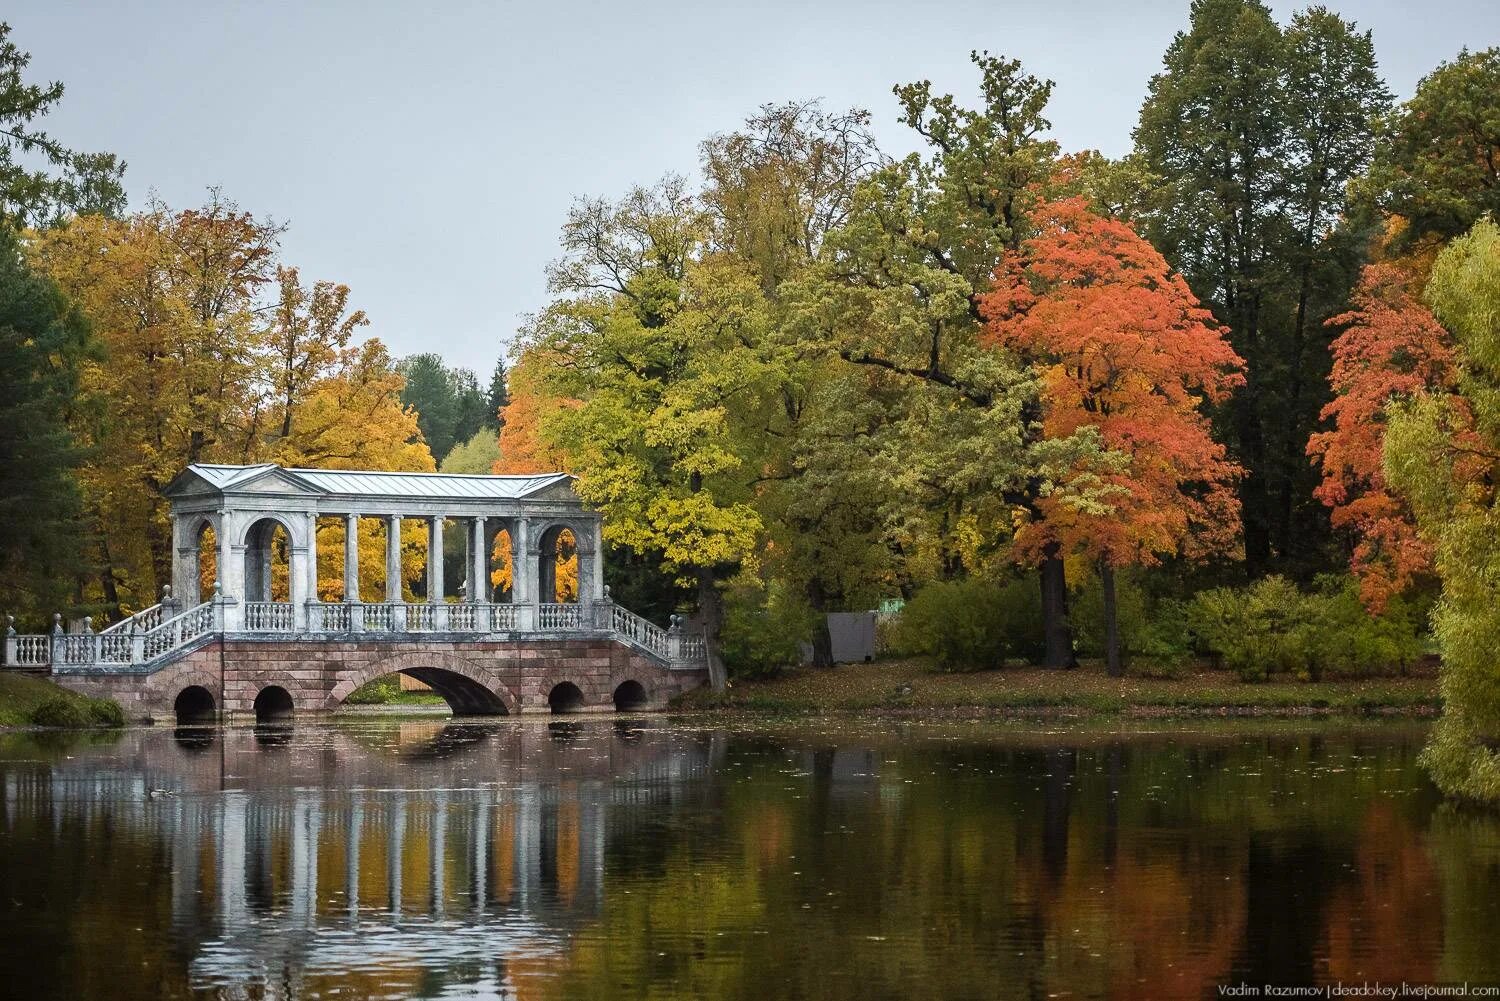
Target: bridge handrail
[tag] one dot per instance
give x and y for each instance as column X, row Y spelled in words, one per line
column 146, row 618
column 638, row 629
column 117, row 647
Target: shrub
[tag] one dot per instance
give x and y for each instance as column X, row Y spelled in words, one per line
column 105, row 712
column 972, row 624
column 377, row 692
column 1272, row 627
column 1153, row 633
column 61, row 711
column 763, row 631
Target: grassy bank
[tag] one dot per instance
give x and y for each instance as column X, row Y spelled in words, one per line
column 26, row 700
column 912, row 686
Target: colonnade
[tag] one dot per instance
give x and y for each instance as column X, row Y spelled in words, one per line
column 243, row 542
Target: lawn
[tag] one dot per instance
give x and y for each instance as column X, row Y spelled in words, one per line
column 912, row 685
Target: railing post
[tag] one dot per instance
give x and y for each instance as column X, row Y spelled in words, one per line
column 674, row 640
column 440, row 617
column 231, row 615
column 137, row 644
column 356, row 616
column 57, row 640
column 10, row 641
column 398, row 617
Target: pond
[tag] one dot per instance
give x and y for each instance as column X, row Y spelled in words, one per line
column 651, row 857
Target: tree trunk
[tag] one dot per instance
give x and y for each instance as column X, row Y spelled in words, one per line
column 1113, row 665
column 711, row 608
column 822, row 641
column 1059, row 632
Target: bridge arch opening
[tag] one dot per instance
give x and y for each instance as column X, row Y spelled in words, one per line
column 195, row 705
column 559, row 566
column 630, row 696
column 565, row 698
column 268, row 562
column 464, row 696
column 273, row 705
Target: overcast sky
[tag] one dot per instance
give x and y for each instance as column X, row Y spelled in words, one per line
column 425, row 154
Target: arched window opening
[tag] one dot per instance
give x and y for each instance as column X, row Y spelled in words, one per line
column 502, row 568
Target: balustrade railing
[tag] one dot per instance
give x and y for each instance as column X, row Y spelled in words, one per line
column 123, row 647
column 464, row 618
column 558, row 616
column 638, row 628
column 380, row 618
column 270, row 616
column 146, row 618
column 32, row 651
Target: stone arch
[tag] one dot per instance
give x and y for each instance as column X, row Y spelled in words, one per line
column 260, row 555
column 469, row 688
column 252, row 519
column 195, row 704
column 545, row 542
column 541, row 688
column 166, row 685
column 273, row 704
column 566, row 697
column 631, row 695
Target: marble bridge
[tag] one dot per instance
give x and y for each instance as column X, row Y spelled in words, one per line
column 262, row 642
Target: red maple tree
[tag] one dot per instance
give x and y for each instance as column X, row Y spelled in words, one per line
column 1392, row 347
column 1126, row 349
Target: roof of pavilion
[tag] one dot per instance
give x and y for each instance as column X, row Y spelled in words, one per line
column 360, row 482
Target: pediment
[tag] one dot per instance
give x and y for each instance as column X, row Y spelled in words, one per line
column 273, row 480
column 561, row 490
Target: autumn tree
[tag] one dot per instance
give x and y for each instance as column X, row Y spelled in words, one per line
column 897, row 291
column 660, row 344
column 1442, row 455
column 1126, row 353
column 1391, row 348
column 309, row 332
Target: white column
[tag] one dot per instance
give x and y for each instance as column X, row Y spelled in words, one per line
column 523, row 562
column 393, row 558
column 310, row 585
column 351, row 557
column 479, row 563
column 435, row 559
column 231, row 573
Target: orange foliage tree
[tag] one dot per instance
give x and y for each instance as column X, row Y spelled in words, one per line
column 1121, row 346
column 1392, row 347
column 522, row 449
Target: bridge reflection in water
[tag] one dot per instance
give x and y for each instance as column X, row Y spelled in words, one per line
column 458, row 851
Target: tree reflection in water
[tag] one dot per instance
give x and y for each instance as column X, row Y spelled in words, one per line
column 591, row 859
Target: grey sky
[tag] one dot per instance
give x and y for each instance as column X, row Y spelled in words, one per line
column 426, row 154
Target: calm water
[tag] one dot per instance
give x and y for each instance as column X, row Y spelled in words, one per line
column 645, row 858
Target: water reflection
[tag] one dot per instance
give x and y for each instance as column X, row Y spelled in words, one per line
column 635, row 858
